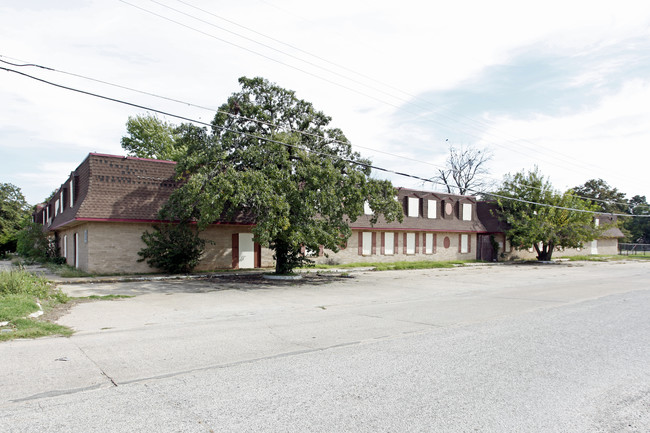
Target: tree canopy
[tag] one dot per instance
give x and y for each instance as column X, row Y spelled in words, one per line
column 543, row 226
column 273, row 158
column 14, row 212
column 638, row 228
column 603, row 196
column 150, row 137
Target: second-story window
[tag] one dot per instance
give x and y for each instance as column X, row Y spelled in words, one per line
column 71, row 191
column 467, row 211
column 413, row 207
column 431, row 209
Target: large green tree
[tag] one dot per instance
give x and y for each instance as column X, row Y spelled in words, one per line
column 603, row 196
column 150, row 137
column 273, row 158
column 638, row 227
column 14, row 213
column 540, row 217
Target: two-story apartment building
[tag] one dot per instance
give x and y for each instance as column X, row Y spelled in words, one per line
column 99, row 213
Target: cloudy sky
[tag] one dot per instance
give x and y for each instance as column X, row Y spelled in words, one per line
column 564, row 85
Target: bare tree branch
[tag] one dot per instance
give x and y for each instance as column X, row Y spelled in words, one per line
column 466, row 170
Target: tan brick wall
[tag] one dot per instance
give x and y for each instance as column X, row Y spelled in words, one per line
column 70, row 250
column 219, row 254
column 351, row 253
column 113, row 247
column 608, row 246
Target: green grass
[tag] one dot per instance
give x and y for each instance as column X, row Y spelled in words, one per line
column 429, row 264
column 66, row 271
column 22, row 282
column 590, row 258
column 19, row 292
column 605, row 258
column 30, row 328
column 16, row 306
column 635, row 256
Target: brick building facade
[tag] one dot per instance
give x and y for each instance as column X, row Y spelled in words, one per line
column 99, row 213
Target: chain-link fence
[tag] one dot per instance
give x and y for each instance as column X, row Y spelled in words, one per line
column 633, row 249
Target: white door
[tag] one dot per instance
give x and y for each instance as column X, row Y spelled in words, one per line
column 246, row 251
column 594, row 246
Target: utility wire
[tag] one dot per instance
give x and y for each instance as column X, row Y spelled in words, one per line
column 257, row 120
column 351, row 161
column 571, row 162
column 578, row 196
column 266, row 123
column 257, row 53
column 212, row 109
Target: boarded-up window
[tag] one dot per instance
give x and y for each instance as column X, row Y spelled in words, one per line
column 428, row 243
column 464, row 244
column 367, row 243
column 414, row 207
column 410, row 243
column 432, row 208
column 389, row 243
column 467, row 211
column 72, row 191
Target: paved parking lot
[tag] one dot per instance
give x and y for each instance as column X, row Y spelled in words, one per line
column 499, row 348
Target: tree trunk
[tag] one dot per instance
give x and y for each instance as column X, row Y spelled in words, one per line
column 281, row 258
column 545, row 254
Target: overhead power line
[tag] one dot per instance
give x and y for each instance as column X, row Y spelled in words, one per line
column 212, row 109
column 260, row 121
column 578, row 196
column 557, row 159
column 359, row 163
column 413, row 100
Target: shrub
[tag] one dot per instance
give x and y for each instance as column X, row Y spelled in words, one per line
column 23, row 282
column 33, row 243
column 175, row 248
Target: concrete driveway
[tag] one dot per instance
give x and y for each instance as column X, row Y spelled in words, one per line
column 500, row 348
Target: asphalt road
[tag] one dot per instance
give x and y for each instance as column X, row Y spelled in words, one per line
column 557, row 348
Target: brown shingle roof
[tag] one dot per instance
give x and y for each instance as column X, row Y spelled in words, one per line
column 110, row 187
column 443, row 222
column 126, row 188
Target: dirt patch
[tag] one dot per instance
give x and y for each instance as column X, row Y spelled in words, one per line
column 52, row 314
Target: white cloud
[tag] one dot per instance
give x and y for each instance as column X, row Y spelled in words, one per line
column 606, row 141
column 413, row 46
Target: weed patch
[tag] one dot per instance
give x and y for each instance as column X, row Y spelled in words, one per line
column 594, row 258
column 66, row 271
column 16, row 306
column 29, row 328
column 19, row 293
